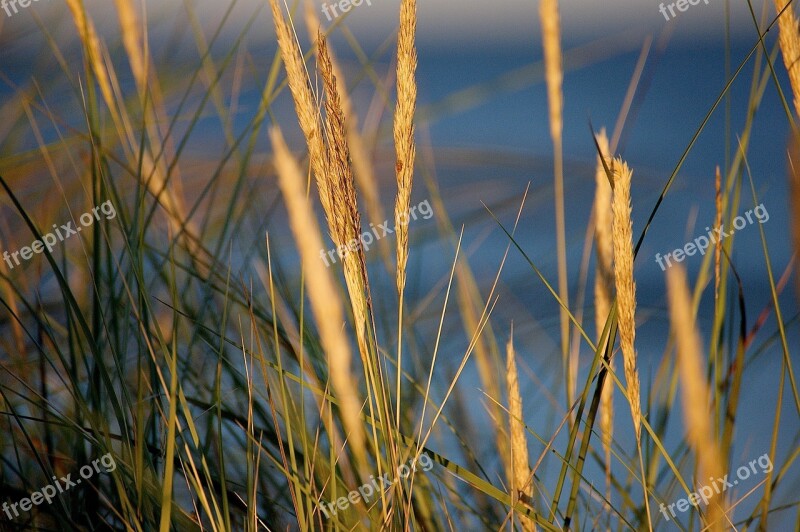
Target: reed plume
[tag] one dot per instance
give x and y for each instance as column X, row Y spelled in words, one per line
column 520, row 475
column 330, row 164
column 696, row 406
column 363, row 170
column 305, row 104
column 625, row 284
column 789, row 38
column 345, row 220
column 135, row 44
column 626, row 300
column 325, row 303
column 405, row 154
column 604, row 290
column 405, row 148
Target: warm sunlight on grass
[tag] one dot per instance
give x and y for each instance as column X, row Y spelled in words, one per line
column 270, row 333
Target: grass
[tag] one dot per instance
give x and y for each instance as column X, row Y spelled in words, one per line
column 240, row 384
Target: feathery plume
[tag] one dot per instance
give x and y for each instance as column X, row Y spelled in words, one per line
column 404, row 130
column 330, row 164
column 91, row 43
column 304, row 103
column 695, row 390
column 626, row 302
column 405, row 153
column 345, row 220
column 132, row 41
column 519, row 477
column 359, row 154
column 625, row 284
column 138, row 58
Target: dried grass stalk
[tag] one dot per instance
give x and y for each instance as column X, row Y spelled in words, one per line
column 305, row 104
column 405, row 147
column 363, row 170
column 696, row 405
column 520, row 476
column 345, row 220
column 325, row 302
column 132, row 41
column 626, row 304
column 330, row 164
column 554, row 75
column 625, row 284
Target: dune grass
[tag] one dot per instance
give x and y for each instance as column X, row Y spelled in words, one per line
column 247, row 386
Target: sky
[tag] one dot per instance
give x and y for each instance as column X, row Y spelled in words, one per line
column 447, row 23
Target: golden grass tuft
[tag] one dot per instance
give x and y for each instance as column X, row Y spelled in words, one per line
column 330, row 163
column 405, row 147
column 604, row 289
column 789, row 38
column 325, row 302
column 363, row 170
column 344, row 220
column 305, row 104
column 405, row 154
column 696, row 406
column 625, row 284
column 520, row 475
